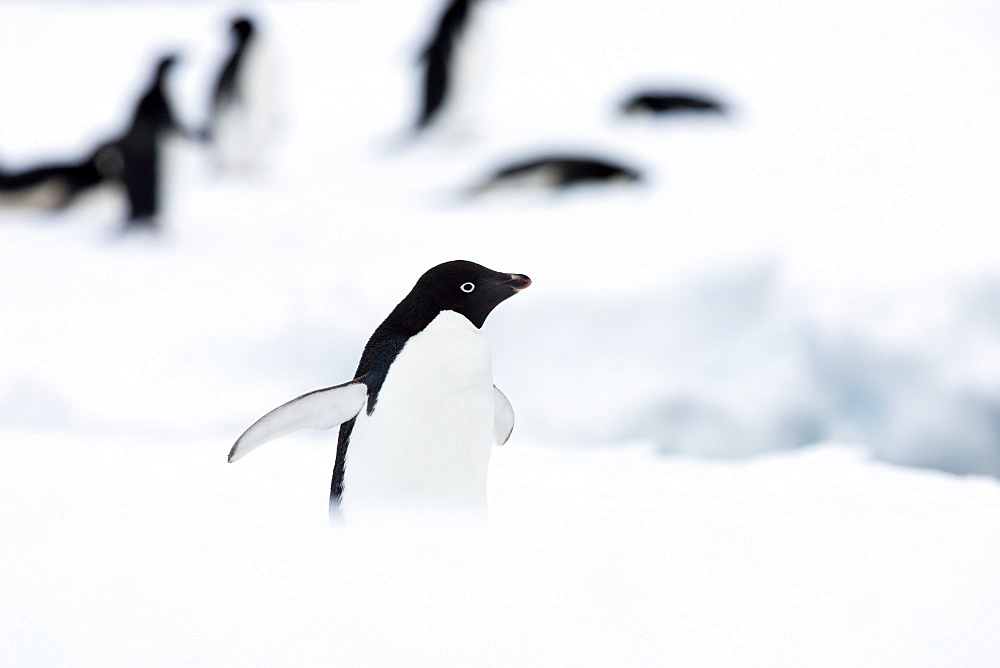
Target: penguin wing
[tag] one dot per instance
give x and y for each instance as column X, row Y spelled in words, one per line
column 503, row 417
column 321, row 409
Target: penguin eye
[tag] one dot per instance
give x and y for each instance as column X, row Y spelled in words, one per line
column 467, row 287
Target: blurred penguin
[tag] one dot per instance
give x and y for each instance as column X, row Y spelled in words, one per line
column 453, row 64
column 136, row 158
column 56, row 186
column 243, row 115
column 556, row 173
column 660, row 103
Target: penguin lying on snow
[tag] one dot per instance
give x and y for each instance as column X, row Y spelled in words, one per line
column 55, row 186
column 132, row 161
column 671, row 102
column 557, row 173
column 418, row 420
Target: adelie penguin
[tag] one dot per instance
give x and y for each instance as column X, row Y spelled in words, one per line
column 55, row 186
column 137, row 154
column 556, row 173
column 661, row 103
column 242, row 119
column 419, row 418
column 453, row 63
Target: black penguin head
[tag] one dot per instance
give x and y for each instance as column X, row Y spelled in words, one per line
column 165, row 64
column 242, row 27
column 461, row 286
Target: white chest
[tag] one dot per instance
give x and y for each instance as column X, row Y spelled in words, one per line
column 428, row 441
column 244, row 128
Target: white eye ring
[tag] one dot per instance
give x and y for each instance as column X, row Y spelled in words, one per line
column 467, row 287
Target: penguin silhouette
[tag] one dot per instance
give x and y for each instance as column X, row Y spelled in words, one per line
column 242, row 118
column 452, row 67
column 660, row 103
column 556, row 173
column 138, row 152
column 55, row 186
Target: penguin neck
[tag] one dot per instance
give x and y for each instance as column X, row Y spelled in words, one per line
column 410, row 317
column 238, row 52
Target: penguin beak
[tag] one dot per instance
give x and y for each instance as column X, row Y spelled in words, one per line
column 517, row 281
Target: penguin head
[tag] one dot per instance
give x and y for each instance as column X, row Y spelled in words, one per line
column 167, row 61
column 242, row 27
column 464, row 287
column 165, row 64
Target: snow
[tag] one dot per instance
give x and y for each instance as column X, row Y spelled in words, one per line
column 816, row 557
column 711, row 372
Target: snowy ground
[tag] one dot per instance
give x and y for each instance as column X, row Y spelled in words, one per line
column 157, row 553
column 821, row 267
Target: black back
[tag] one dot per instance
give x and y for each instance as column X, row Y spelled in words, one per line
column 441, row 288
column 74, row 177
column 100, row 166
column 226, row 90
column 570, row 170
column 139, row 147
column 672, row 102
column 436, row 57
column 153, row 113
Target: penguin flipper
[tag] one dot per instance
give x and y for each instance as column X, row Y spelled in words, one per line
column 503, row 417
column 321, row 409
